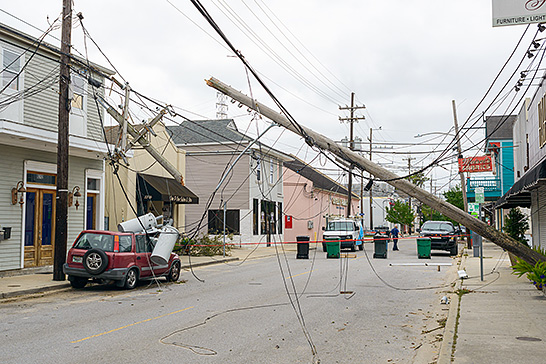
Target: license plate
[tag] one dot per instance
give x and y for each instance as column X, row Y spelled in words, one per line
column 77, row 259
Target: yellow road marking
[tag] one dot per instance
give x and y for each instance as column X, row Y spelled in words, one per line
column 126, row 326
column 299, row 274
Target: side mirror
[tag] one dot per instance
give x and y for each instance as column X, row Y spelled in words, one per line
column 323, row 228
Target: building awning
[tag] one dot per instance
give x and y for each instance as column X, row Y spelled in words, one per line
column 519, row 194
column 165, row 189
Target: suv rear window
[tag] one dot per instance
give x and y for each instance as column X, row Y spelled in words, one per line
column 98, row 241
column 440, row 226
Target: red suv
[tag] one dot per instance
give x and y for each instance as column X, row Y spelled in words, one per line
column 120, row 257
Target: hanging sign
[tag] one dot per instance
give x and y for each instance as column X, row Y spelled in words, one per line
column 514, row 12
column 476, row 164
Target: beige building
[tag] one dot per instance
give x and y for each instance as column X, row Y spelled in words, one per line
column 143, row 185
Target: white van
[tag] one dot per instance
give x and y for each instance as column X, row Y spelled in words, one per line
column 349, row 232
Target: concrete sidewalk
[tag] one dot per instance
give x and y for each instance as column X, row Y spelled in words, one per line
column 40, row 280
column 501, row 319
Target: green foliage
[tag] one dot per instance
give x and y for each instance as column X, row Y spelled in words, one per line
column 455, row 197
column 418, row 179
column 204, row 245
column 430, row 214
column 536, row 273
column 400, row 213
column 515, row 225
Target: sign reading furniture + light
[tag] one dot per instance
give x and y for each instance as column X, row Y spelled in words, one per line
column 514, row 12
column 476, row 164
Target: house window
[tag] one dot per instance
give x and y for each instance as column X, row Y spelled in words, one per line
column 216, row 221
column 271, row 170
column 542, row 121
column 279, row 205
column 11, row 65
column 78, row 89
column 258, row 169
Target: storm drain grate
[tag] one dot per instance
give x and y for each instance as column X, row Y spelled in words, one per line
column 527, row 338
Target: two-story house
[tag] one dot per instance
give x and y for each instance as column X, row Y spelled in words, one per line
column 144, row 186
column 310, row 199
column 29, row 103
column 529, row 190
column 500, row 146
column 230, row 172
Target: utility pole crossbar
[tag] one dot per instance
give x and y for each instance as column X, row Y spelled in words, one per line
column 480, row 227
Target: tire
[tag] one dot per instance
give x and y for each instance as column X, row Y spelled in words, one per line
column 353, row 247
column 454, row 250
column 131, row 279
column 361, row 246
column 174, row 272
column 77, row 282
column 95, row 261
column 324, row 247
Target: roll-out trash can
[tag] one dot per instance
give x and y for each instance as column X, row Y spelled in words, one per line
column 303, row 247
column 333, row 249
column 380, row 242
column 423, row 248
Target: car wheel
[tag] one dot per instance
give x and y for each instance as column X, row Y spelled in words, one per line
column 454, row 250
column 131, row 279
column 174, row 273
column 353, row 247
column 324, row 248
column 361, row 246
column 77, row 282
column 95, row 261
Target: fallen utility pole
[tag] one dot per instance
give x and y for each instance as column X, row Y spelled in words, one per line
column 495, row 236
column 139, row 138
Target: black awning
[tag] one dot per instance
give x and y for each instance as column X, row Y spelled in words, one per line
column 157, row 188
column 519, row 194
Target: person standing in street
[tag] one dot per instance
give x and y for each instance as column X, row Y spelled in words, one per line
column 394, row 234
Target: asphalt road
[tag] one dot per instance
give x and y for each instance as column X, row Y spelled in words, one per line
column 243, row 313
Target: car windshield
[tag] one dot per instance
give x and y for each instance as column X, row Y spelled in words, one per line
column 92, row 240
column 340, row 226
column 439, row 226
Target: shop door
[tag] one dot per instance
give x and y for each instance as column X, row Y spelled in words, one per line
column 39, row 227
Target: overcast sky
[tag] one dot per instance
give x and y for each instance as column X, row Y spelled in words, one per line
column 405, row 60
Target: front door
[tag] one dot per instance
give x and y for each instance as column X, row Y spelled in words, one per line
column 39, row 227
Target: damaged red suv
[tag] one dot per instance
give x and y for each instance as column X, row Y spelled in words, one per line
column 123, row 258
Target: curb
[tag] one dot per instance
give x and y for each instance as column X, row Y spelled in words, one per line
column 32, row 291
column 65, row 286
column 446, row 347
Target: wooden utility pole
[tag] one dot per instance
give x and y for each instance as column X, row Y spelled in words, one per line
column 323, row 142
column 351, row 121
column 371, row 187
column 61, row 206
column 461, row 173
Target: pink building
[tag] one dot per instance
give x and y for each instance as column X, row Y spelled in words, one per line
column 310, row 197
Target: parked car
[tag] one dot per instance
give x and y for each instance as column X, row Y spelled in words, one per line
column 349, row 232
column 124, row 258
column 442, row 234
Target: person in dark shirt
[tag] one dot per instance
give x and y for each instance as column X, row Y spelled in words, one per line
column 394, row 234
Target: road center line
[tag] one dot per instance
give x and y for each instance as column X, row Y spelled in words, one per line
column 126, row 326
column 299, row 274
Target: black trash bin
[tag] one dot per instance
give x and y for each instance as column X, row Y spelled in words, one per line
column 303, row 248
column 380, row 246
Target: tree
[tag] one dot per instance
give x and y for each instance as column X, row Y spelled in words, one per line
column 430, row 214
column 515, row 225
column 418, row 179
column 455, row 197
column 400, row 213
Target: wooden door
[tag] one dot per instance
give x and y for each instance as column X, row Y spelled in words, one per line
column 39, row 227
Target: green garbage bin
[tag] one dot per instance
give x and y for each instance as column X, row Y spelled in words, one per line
column 423, row 248
column 333, row 249
column 380, row 242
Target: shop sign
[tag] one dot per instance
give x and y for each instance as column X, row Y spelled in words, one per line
column 515, row 12
column 476, row 164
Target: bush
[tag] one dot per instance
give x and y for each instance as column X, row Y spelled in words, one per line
column 515, row 225
column 536, row 273
column 204, row 245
